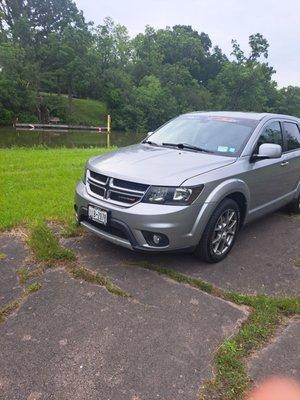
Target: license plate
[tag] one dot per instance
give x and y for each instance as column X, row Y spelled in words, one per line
column 98, row 215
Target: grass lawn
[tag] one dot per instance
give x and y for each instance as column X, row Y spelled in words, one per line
column 89, row 111
column 85, row 111
column 38, row 184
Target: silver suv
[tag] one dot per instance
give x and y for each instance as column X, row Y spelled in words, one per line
column 192, row 183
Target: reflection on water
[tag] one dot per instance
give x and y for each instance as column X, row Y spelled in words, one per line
column 9, row 137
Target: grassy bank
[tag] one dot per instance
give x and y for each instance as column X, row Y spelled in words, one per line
column 38, row 184
column 83, row 111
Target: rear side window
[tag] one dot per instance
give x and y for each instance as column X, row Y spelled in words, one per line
column 271, row 134
column 292, row 135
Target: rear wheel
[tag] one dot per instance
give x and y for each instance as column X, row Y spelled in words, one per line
column 220, row 232
column 294, row 207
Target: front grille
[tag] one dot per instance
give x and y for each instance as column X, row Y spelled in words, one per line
column 114, row 190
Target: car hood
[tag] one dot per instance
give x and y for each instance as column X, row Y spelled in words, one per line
column 152, row 165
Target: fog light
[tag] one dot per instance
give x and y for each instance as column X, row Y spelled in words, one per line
column 156, row 239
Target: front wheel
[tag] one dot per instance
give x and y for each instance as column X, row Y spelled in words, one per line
column 220, row 232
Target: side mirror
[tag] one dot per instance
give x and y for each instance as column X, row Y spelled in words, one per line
column 149, row 134
column 266, row 151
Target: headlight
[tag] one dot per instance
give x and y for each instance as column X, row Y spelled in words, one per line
column 172, row 195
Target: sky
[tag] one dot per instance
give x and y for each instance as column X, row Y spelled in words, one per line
column 277, row 20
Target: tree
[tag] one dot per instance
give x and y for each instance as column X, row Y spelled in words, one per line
column 46, row 45
column 17, row 85
column 41, row 17
column 64, row 62
column 245, row 83
column 289, row 102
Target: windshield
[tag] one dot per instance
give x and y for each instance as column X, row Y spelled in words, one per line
column 216, row 134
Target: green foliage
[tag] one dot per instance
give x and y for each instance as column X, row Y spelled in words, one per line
column 17, row 96
column 290, row 101
column 242, row 87
column 47, row 46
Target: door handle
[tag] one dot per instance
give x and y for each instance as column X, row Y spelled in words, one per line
column 284, row 163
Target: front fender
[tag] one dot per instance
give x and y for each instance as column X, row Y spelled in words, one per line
column 226, row 188
column 219, row 193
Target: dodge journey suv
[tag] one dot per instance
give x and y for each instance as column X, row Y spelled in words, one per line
column 193, row 183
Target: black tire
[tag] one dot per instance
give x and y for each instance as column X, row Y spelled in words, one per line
column 294, row 207
column 205, row 249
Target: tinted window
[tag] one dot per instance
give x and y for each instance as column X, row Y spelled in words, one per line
column 215, row 133
column 292, row 135
column 271, row 134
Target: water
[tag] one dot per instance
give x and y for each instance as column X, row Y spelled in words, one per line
column 9, row 137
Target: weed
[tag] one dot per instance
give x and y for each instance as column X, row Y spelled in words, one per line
column 72, row 229
column 93, row 277
column 297, row 263
column 23, row 275
column 45, row 245
column 9, row 309
column 33, row 287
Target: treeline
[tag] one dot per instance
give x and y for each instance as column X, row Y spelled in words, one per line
column 46, row 46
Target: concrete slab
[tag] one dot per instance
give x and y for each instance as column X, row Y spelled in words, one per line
column 15, row 253
column 75, row 340
column 260, row 262
column 281, row 357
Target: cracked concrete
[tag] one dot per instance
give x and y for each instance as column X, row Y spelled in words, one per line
column 75, row 339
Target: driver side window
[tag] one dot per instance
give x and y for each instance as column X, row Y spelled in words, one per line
column 271, row 134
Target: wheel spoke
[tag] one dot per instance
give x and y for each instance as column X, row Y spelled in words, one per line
column 222, row 246
column 231, row 215
column 217, row 239
column 232, row 228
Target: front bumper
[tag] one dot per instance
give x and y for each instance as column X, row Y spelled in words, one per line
column 183, row 225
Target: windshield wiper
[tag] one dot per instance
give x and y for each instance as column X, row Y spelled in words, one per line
column 187, row 146
column 150, row 142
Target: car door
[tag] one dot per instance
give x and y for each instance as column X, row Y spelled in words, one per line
column 291, row 155
column 266, row 179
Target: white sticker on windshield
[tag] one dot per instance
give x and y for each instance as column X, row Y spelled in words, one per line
column 224, row 149
column 231, row 150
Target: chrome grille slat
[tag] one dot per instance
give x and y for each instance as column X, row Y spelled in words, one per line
column 92, row 178
column 125, row 193
column 113, row 186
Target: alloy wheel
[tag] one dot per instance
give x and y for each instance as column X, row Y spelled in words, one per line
column 224, row 232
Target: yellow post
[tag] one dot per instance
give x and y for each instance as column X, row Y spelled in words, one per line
column 108, row 130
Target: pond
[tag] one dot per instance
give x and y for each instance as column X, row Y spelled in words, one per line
column 9, row 137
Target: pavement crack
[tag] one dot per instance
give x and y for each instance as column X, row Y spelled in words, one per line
column 83, row 273
column 14, row 305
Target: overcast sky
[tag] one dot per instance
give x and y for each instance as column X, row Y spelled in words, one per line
column 223, row 20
